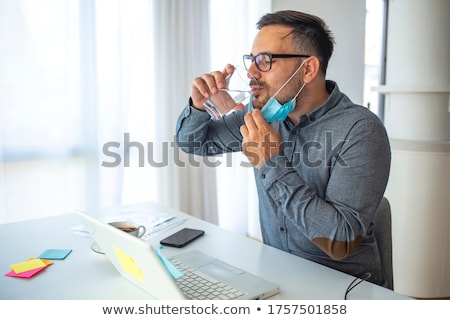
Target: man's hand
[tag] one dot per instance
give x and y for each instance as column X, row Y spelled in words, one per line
column 208, row 84
column 260, row 140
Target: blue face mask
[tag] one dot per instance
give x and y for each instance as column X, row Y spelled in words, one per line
column 273, row 110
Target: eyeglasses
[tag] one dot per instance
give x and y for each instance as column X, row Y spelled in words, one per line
column 264, row 60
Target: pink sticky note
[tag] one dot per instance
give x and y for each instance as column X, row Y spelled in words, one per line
column 26, row 274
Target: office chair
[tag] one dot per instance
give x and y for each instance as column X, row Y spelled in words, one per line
column 383, row 233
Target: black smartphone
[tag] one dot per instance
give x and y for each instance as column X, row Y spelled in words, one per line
column 182, row 237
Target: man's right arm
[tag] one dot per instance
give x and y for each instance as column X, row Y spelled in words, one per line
column 192, row 129
column 197, row 133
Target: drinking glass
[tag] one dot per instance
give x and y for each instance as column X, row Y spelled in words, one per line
column 237, row 91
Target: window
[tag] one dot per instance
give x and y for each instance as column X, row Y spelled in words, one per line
column 74, row 75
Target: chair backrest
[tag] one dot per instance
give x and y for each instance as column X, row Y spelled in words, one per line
column 383, row 234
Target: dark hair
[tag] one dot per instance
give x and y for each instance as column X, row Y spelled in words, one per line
column 310, row 32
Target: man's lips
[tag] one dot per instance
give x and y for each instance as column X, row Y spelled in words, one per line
column 256, row 90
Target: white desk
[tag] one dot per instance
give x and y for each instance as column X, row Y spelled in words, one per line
column 86, row 275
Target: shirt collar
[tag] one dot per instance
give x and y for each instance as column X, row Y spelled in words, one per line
column 331, row 102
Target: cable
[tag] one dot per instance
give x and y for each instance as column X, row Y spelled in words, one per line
column 355, row 282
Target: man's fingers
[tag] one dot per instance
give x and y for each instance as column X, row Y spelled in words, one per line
column 239, row 106
column 250, row 122
column 244, row 131
column 205, row 86
column 229, row 69
column 259, row 120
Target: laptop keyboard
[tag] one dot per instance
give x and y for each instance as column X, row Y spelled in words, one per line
column 199, row 286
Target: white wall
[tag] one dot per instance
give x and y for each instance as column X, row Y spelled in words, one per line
column 346, row 19
column 418, row 123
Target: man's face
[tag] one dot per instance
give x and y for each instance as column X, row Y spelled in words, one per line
column 275, row 40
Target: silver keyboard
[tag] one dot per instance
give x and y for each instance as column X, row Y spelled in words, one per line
column 199, row 286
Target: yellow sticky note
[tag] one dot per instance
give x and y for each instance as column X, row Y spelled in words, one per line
column 28, row 265
column 46, row 262
column 128, row 264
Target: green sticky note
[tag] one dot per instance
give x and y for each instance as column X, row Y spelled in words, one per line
column 55, row 254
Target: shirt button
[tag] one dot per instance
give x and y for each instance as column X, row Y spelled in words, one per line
column 263, row 175
column 282, row 229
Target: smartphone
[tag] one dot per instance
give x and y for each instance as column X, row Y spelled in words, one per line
column 182, row 237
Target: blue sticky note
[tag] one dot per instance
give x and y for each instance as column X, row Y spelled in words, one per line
column 174, row 272
column 55, row 254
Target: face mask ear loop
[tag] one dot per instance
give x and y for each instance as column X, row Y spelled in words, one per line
column 304, row 84
column 287, row 81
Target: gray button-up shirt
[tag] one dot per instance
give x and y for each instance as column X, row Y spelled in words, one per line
column 317, row 198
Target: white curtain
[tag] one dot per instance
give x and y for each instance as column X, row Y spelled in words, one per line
column 181, row 53
column 232, row 33
column 43, row 159
column 89, row 96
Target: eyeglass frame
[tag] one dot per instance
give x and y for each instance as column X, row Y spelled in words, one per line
column 271, row 56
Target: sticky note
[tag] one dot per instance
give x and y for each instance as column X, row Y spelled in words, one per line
column 174, row 272
column 128, row 264
column 29, row 273
column 55, row 254
column 47, row 262
column 26, row 274
column 28, row 265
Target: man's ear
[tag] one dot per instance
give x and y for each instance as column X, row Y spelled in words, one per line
column 311, row 69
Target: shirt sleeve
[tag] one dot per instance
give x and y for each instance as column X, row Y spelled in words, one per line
column 197, row 133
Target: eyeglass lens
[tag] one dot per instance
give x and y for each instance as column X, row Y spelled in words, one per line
column 263, row 61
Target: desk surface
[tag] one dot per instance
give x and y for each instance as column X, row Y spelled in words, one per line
column 85, row 274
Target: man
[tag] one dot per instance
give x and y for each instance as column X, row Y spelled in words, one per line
column 321, row 163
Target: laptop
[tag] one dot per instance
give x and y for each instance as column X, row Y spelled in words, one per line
column 164, row 278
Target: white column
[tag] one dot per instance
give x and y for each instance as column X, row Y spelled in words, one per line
column 418, row 122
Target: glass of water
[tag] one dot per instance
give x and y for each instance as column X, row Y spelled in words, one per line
column 237, row 91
